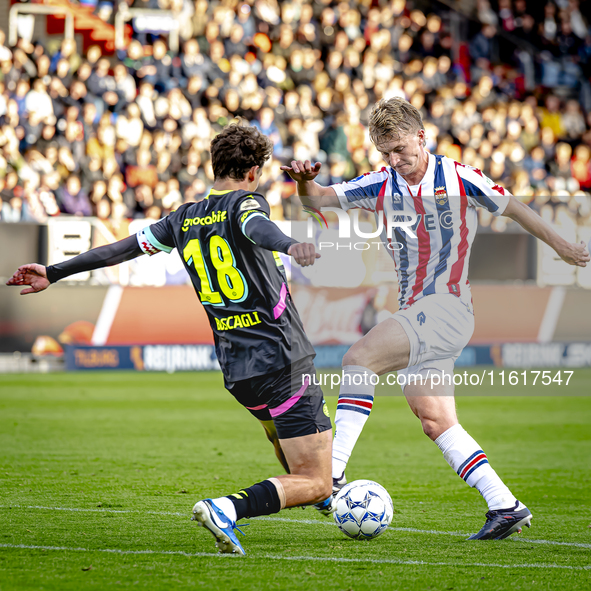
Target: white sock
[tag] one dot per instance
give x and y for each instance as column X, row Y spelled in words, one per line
column 353, row 408
column 226, row 505
column 464, row 455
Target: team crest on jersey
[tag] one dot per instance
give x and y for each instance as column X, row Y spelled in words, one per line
column 440, row 195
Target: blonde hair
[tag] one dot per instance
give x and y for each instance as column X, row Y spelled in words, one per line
column 391, row 118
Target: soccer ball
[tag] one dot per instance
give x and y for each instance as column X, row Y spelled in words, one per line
column 363, row 509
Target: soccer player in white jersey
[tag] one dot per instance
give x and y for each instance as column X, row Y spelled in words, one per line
column 435, row 320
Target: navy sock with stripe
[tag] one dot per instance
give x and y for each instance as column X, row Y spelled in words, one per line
column 258, row 499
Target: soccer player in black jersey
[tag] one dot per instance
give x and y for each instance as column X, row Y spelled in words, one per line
column 230, row 249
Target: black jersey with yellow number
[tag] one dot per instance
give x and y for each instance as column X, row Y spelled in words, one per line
column 242, row 286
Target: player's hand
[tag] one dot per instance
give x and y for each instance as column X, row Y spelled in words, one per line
column 304, row 253
column 33, row 275
column 575, row 254
column 302, row 172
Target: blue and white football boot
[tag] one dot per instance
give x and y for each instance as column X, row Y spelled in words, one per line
column 504, row 522
column 327, row 507
column 208, row 515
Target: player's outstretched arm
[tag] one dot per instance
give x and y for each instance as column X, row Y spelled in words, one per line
column 38, row 277
column 572, row 253
column 33, row 275
column 310, row 192
column 258, row 228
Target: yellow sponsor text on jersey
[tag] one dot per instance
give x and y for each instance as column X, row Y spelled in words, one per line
column 238, row 321
column 214, row 218
column 248, row 213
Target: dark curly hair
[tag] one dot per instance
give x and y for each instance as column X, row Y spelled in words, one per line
column 236, row 149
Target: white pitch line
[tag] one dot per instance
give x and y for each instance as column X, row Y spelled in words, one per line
column 300, row 521
column 430, row 531
column 111, row 550
column 406, row 529
column 82, row 510
column 300, row 558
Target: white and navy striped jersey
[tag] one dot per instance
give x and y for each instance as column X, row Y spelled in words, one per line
column 445, row 202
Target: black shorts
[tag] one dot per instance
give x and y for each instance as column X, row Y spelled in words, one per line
column 288, row 397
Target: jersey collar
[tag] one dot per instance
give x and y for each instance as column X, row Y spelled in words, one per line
column 428, row 174
column 213, row 192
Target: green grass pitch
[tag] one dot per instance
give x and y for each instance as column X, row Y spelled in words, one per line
column 99, row 472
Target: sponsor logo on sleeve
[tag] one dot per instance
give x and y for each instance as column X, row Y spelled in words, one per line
column 245, row 215
column 249, row 204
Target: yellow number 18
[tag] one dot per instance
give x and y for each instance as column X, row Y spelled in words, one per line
column 230, row 279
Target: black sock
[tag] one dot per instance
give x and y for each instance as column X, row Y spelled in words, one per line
column 258, row 499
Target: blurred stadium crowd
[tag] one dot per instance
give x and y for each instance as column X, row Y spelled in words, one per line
column 127, row 136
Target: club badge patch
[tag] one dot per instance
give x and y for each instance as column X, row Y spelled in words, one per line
column 440, row 195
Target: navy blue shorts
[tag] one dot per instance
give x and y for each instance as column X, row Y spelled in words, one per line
column 288, row 397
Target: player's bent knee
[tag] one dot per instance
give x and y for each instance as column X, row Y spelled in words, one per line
column 354, row 356
column 326, row 491
column 326, row 488
column 318, row 488
column 431, row 429
column 321, row 490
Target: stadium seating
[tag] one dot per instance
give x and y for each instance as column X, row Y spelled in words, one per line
column 127, row 136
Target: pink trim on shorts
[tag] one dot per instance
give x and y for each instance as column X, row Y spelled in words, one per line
column 259, row 407
column 275, row 412
column 280, row 307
